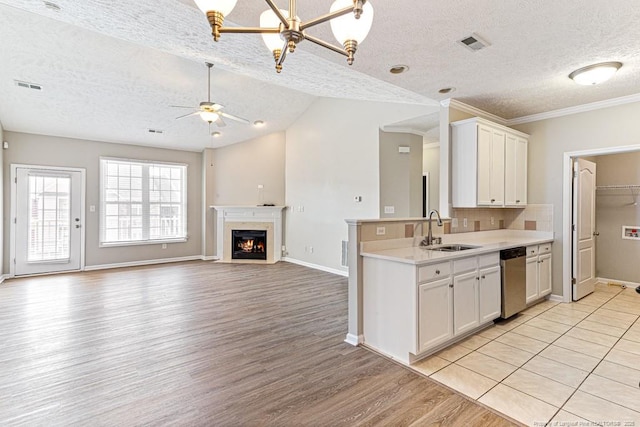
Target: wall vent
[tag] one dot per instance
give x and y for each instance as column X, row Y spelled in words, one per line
column 155, row 131
column 474, row 42
column 27, row 85
column 344, row 259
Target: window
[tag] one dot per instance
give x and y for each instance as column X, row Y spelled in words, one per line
column 142, row 202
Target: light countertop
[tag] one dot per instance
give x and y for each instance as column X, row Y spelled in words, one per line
column 402, row 250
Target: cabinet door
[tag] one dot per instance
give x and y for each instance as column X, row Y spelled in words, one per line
column 532, row 279
column 522, row 148
column 485, row 142
column 544, row 275
column 435, row 313
column 497, row 168
column 465, row 302
column 490, row 293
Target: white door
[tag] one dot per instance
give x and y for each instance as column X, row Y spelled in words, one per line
column 584, row 221
column 48, row 220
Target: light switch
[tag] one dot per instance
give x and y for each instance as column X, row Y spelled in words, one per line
column 389, row 209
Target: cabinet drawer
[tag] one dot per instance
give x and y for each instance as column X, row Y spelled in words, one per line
column 465, row 264
column 532, row 250
column 433, row 272
column 544, row 248
column 489, row 260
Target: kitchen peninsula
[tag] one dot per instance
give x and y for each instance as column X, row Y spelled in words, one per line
column 416, row 301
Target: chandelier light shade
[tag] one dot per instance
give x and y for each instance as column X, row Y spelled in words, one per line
column 223, row 6
column 209, row 116
column 347, row 27
column 595, row 74
column 282, row 30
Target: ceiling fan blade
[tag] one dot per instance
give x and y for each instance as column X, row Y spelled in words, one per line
column 187, row 115
column 220, row 122
column 182, row 106
column 236, row 118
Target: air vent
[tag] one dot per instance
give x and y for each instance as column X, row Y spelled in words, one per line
column 474, row 43
column 155, row 131
column 27, row 85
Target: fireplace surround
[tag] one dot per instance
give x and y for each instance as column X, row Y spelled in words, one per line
column 267, row 219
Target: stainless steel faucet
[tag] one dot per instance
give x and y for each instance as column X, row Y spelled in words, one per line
column 428, row 241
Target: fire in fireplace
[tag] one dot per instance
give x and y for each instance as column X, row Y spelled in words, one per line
column 249, row 244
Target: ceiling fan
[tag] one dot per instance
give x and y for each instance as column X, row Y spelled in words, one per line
column 211, row 112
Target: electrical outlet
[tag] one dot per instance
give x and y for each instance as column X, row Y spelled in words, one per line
column 381, row 231
column 164, row 246
column 92, row 208
column 464, row 222
column 493, row 221
column 310, row 249
column 454, row 222
column 260, row 186
column 357, row 199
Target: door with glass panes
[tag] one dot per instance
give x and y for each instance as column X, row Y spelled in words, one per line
column 48, row 220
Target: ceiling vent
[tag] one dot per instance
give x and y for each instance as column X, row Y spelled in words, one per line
column 51, row 5
column 28, row 85
column 157, row 131
column 474, row 43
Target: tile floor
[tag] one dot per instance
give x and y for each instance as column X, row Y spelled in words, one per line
column 563, row 364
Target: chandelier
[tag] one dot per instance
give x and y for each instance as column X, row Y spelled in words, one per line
column 282, row 30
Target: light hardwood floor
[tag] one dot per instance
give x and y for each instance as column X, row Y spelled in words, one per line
column 202, row 343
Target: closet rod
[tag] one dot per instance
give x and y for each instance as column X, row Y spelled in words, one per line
column 618, row 187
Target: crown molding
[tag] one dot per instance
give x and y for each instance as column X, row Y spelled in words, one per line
column 403, row 129
column 458, row 105
column 575, row 110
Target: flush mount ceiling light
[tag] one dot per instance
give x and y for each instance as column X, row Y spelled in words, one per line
column 398, row 69
column 282, row 30
column 595, row 74
column 446, row 90
column 216, row 134
column 258, row 123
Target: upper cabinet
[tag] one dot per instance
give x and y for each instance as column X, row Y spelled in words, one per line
column 489, row 165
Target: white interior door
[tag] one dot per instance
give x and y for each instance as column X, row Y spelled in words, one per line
column 48, row 220
column 584, row 221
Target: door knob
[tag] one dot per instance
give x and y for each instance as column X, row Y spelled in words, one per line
column 78, row 226
column 595, row 233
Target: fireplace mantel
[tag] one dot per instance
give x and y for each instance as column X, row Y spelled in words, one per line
column 249, row 218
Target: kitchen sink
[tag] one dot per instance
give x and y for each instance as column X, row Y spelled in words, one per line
column 450, row 248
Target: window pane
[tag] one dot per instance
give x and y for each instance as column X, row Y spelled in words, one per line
column 141, row 201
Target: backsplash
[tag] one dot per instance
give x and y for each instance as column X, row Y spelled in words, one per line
column 533, row 217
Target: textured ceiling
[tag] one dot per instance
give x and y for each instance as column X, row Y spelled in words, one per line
column 110, row 69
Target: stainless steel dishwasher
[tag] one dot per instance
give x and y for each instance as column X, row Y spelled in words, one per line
column 514, row 281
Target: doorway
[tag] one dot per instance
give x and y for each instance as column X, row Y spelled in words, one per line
column 569, row 255
column 47, row 209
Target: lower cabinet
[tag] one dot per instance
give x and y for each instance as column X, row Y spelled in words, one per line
column 538, row 271
column 435, row 305
column 465, row 302
column 451, row 306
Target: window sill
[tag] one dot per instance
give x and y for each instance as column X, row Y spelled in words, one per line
column 142, row 242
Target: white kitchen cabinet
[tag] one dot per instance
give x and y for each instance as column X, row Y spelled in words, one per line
column 538, row 271
column 490, row 294
column 489, row 165
column 544, row 274
column 435, row 308
column 465, row 302
column 515, row 172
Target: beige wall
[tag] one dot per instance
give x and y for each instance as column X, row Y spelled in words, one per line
column 550, row 139
column 431, row 164
column 400, row 175
column 240, row 168
column 332, row 156
column 2, row 264
column 617, row 258
column 54, row 151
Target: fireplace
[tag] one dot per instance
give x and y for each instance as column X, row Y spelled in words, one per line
column 249, row 244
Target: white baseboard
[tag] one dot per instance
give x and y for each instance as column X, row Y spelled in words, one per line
column 316, row 266
column 209, row 258
column 2, row 277
column 354, row 340
column 622, row 282
column 144, row 262
column 556, row 298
